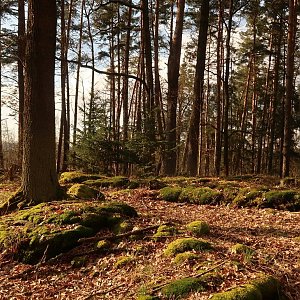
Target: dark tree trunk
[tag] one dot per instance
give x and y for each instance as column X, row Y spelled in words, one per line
column 193, row 133
column 21, row 54
column 287, row 138
column 39, row 179
column 173, row 75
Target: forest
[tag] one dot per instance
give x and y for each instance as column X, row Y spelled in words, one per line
column 156, row 151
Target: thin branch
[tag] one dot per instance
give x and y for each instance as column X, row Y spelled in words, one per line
column 123, row 2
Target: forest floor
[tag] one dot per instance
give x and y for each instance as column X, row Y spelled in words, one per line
column 273, row 234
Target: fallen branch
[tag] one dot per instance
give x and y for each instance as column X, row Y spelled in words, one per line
column 104, row 292
column 119, row 236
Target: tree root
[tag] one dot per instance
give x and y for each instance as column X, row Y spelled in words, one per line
column 15, row 202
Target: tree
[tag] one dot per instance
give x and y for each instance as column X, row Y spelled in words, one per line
column 193, row 133
column 173, row 75
column 39, row 179
column 287, row 138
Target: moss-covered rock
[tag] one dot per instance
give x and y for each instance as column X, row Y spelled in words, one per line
column 245, row 292
column 123, row 261
column 198, row 228
column 77, row 177
column 246, row 197
column 170, row 193
column 103, row 245
column 185, row 257
column 186, row 194
column 82, row 191
column 113, row 182
column 147, row 297
column 186, row 244
column 287, row 199
column 265, row 287
column 206, row 195
column 182, row 287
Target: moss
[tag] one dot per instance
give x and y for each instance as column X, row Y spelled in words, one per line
column 164, row 230
column 247, row 197
column 187, row 194
column 67, row 217
column 147, row 297
column 268, row 286
column 82, row 191
column 206, row 195
column 155, row 184
column 179, row 180
column 182, row 287
column 121, row 208
column 279, row 199
column 170, row 193
column 76, row 177
column 123, row 261
column 103, row 245
column 245, row 292
column 263, row 288
column 186, row 244
column 198, row 228
column 122, row 227
column 114, row 182
column 241, row 249
column 184, row 257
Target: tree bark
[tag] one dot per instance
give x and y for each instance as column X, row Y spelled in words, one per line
column 287, row 138
column 39, row 179
column 173, row 76
column 193, row 133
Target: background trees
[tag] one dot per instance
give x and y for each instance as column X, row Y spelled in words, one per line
column 126, row 92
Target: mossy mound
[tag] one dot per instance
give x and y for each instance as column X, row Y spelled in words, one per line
column 263, row 288
column 112, row 182
column 182, row 287
column 170, row 193
column 147, row 297
column 287, row 199
column 82, row 191
column 186, row 194
column 184, row 257
column 186, row 244
column 198, row 228
column 247, row 197
column 77, row 177
column 206, row 195
column 49, row 229
column 165, row 231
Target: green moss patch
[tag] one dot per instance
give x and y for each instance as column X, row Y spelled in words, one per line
column 123, row 261
column 247, row 197
column 206, row 195
column 198, row 228
column 82, row 191
column 170, row 193
column 76, row 177
column 288, row 199
column 263, row 288
column 241, row 249
column 47, row 230
column 185, row 257
column 112, row 182
column 182, row 287
column 186, row 244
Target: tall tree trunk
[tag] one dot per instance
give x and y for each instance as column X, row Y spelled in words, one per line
column 1, row 143
column 193, row 132
column 39, row 179
column 226, row 89
column 21, row 55
column 78, row 74
column 173, row 75
column 218, row 150
column 287, row 138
